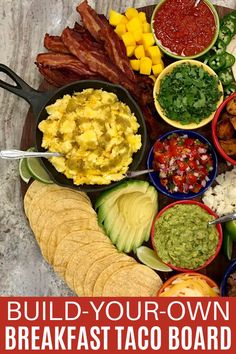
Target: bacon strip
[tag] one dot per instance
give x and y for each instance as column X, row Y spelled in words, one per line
column 58, row 77
column 101, row 30
column 55, row 44
column 98, row 63
column 64, row 61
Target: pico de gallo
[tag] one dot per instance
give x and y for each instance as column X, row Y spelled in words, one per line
column 183, row 163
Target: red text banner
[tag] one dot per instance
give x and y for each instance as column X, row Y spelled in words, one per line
column 117, row 325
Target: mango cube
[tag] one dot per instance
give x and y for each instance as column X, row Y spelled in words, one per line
column 138, row 36
column 134, row 25
column 145, row 66
column 131, row 13
column 142, row 16
column 146, row 28
column 120, row 29
column 139, row 52
column 158, row 68
column 130, row 50
column 153, row 52
column 156, row 60
column 148, row 40
column 128, row 39
column 135, row 64
column 115, row 18
column 124, row 20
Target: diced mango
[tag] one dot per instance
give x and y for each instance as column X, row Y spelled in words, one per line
column 124, row 20
column 156, row 60
column 130, row 50
column 158, row 68
column 115, row 18
column 153, row 52
column 146, row 28
column 153, row 78
column 145, row 66
column 148, row 40
column 142, row 16
column 134, row 25
column 139, row 52
column 135, row 64
column 131, row 13
column 120, row 29
column 128, row 39
column 138, row 36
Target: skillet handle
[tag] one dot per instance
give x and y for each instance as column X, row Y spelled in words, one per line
column 36, row 99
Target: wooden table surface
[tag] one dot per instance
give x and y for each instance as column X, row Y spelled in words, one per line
column 22, row 27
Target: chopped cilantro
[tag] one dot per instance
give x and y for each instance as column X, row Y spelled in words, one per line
column 189, row 94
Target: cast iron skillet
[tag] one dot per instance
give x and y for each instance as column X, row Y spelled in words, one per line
column 39, row 100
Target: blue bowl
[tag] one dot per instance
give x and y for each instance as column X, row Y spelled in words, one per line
column 223, row 287
column 154, row 176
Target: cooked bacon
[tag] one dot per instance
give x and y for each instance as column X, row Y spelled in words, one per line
column 90, row 19
column 152, row 123
column 58, row 77
column 64, row 61
column 87, row 36
column 101, row 30
column 98, row 62
column 55, row 44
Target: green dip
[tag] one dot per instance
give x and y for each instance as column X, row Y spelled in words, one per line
column 182, row 237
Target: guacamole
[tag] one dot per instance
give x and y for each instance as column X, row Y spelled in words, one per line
column 182, row 237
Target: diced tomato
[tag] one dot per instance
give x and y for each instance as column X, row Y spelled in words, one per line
column 159, row 147
column 191, row 178
column 189, row 142
column 182, row 165
column 193, row 165
column 179, row 180
column 163, row 158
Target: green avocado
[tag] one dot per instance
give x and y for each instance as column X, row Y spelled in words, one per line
column 126, row 213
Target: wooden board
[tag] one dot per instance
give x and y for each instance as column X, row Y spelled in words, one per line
column 217, row 268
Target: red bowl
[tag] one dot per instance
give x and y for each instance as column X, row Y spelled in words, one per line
column 170, row 281
column 214, row 134
column 219, row 229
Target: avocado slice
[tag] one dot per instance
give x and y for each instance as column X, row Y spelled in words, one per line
column 126, row 213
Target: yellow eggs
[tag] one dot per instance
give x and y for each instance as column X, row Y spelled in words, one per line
column 95, row 133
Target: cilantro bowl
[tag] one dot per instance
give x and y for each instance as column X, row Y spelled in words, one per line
column 187, row 94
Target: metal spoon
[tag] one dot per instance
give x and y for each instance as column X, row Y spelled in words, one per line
column 197, row 2
column 225, row 218
column 131, row 174
column 18, row 154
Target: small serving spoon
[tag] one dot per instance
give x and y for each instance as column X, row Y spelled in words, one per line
column 222, row 219
column 18, row 154
column 131, row 174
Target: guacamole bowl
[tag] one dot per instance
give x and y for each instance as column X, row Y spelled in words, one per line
column 195, row 182
column 181, row 236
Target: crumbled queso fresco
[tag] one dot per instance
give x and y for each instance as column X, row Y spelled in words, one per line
column 222, row 197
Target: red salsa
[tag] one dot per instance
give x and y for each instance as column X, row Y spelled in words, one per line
column 184, row 29
column 183, row 163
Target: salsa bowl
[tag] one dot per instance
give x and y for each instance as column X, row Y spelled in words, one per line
column 214, row 130
column 155, row 176
column 177, row 286
column 202, row 23
column 185, row 236
column 157, row 88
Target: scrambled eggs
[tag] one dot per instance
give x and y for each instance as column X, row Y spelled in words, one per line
column 95, row 132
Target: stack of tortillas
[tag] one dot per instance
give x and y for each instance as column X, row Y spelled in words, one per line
column 66, row 228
